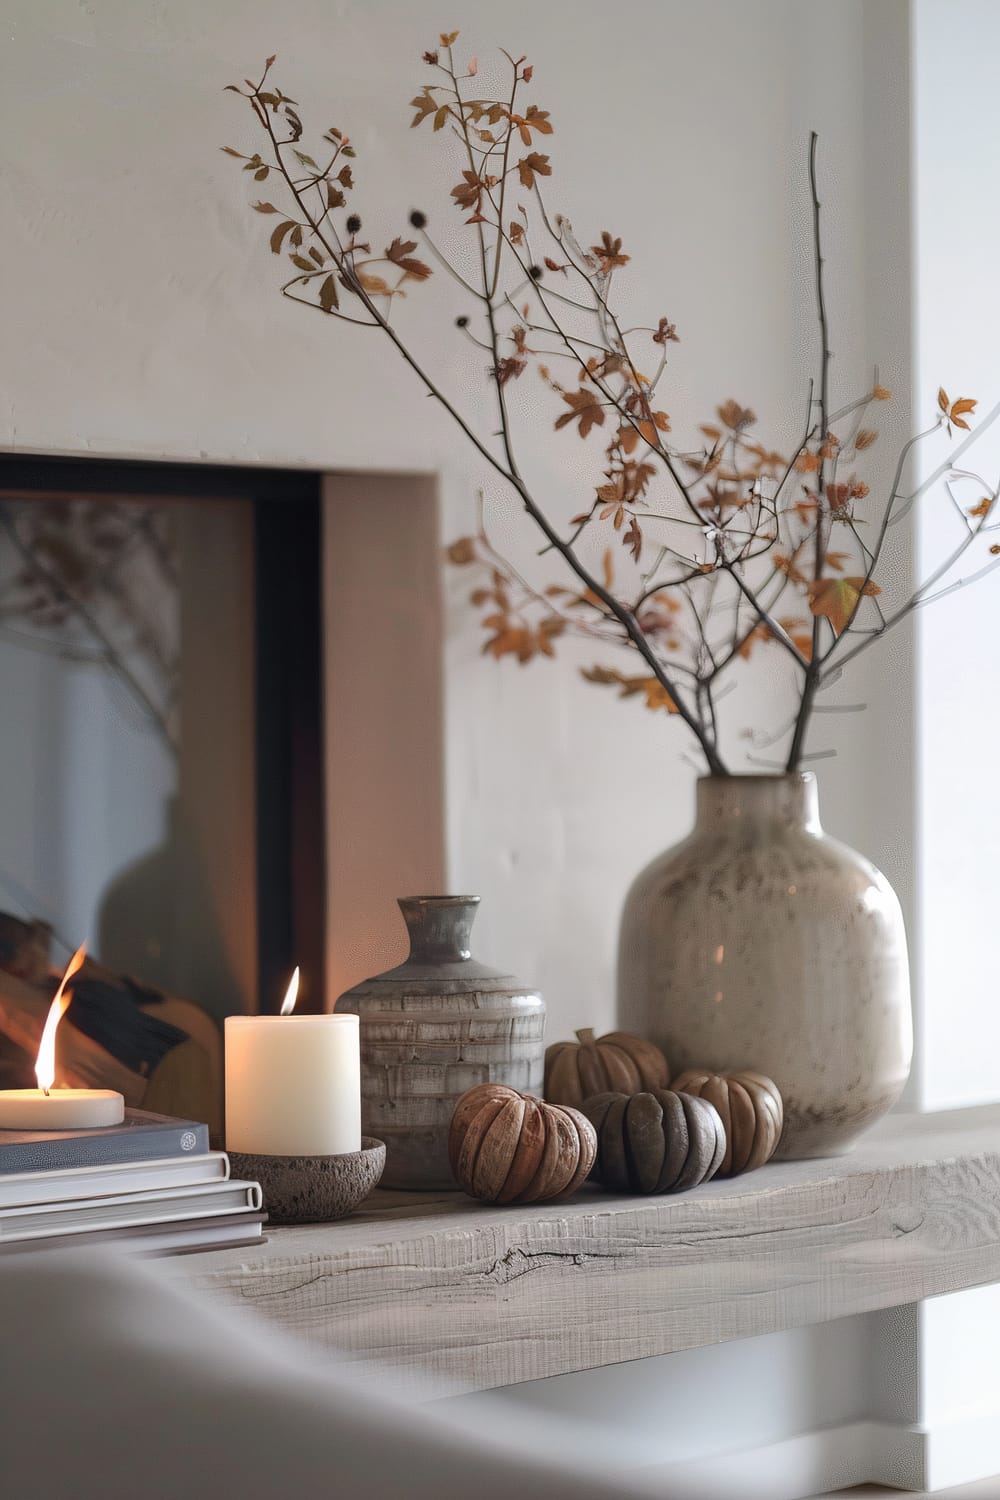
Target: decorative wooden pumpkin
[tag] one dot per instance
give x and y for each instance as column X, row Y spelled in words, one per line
column 751, row 1110
column 619, row 1062
column 655, row 1142
column 507, row 1147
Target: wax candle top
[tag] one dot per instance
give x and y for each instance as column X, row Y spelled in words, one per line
column 60, row 1109
column 323, row 1019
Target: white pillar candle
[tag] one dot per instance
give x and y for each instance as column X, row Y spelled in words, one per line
column 293, row 1085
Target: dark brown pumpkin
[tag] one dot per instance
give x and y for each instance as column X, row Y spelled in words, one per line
column 751, row 1110
column 657, row 1141
column 618, row 1062
column 506, row 1147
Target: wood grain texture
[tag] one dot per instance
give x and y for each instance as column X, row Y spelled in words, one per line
column 486, row 1296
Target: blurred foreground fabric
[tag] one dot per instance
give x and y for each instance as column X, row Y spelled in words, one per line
column 116, row 1383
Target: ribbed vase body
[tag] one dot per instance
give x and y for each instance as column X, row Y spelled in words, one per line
column 435, row 1026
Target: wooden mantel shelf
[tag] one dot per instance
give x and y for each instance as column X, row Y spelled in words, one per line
column 482, row 1296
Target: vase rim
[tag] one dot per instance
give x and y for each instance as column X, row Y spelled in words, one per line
column 801, row 778
column 439, row 900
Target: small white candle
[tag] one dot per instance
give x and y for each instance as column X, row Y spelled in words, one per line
column 59, row 1109
column 46, row 1108
column 293, row 1084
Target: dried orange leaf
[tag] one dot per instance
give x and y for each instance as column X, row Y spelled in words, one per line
column 837, row 598
column 462, row 551
column 400, row 252
column 960, row 409
column 279, row 234
column 425, row 104
column 584, row 408
column 734, row 416
column 609, row 252
column 650, row 688
column 535, row 164
column 376, row 286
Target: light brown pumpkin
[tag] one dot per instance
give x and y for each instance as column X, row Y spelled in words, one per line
column 657, row 1141
column 619, row 1062
column 507, row 1147
column 751, row 1110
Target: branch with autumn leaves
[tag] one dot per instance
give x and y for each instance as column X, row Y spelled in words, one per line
column 692, row 559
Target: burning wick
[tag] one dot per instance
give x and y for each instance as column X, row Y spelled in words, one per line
column 45, row 1063
column 49, row 1108
column 291, row 994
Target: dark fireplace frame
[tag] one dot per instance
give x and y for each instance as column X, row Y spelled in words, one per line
column 288, row 677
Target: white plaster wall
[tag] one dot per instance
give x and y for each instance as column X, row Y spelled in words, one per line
column 142, row 303
column 957, row 324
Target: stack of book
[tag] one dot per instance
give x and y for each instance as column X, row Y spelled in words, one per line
column 151, row 1185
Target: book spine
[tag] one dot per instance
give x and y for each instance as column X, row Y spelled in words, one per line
column 185, row 1236
column 139, row 1143
column 23, row 1189
column 130, row 1213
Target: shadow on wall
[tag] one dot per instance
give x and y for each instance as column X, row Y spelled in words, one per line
column 157, row 920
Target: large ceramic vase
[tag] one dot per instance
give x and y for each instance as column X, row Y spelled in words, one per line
column 759, row 942
column 435, row 1026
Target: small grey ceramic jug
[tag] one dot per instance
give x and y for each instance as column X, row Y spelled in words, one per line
column 435, row 1026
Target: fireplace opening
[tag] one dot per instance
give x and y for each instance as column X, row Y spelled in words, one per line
column 161, row 669
column 223, row 752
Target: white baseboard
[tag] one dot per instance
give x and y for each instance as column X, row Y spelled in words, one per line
column 955, row 1453
column 791, row 1469
column 902, row 1456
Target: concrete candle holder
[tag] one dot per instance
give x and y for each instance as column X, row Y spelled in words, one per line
column 313, row 1189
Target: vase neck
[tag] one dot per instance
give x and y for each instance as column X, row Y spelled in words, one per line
column 734, row 801
column 440, row 927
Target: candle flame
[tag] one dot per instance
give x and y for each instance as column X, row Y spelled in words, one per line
column 291, row 994
column 45, row 1063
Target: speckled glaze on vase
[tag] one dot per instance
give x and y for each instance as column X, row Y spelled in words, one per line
column 759, row 942
column 435, row 1026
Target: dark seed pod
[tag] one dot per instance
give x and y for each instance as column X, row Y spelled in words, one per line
column 656, row 1142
